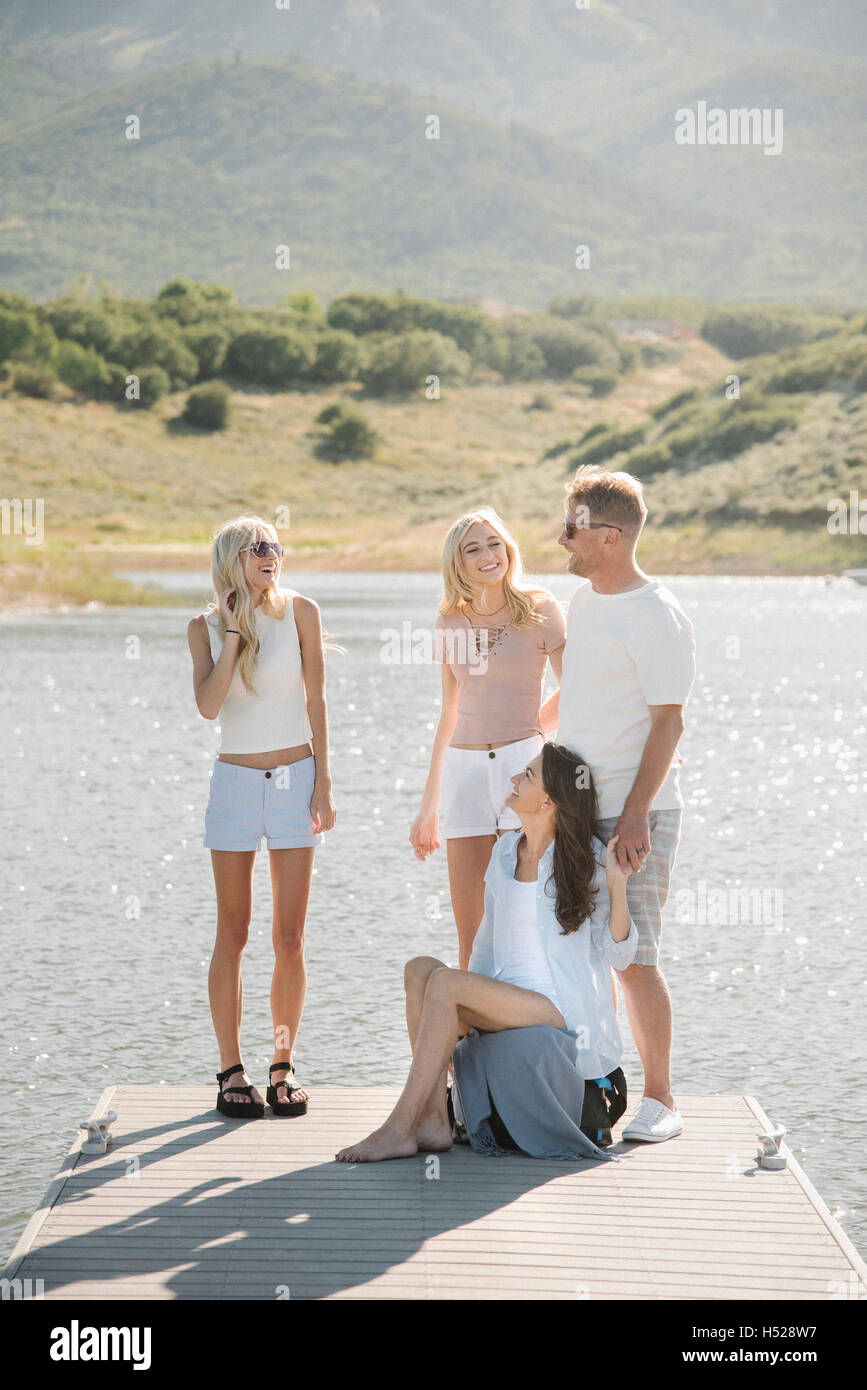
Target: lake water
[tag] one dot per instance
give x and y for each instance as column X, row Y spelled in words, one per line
column 106, row 765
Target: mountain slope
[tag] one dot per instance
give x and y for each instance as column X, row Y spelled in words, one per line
column 236, row 159
column 606, row 81
column 28, row 91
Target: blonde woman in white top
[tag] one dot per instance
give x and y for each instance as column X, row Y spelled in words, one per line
column 258, row 665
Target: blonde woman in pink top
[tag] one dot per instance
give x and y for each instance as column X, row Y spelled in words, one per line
column 494, row 636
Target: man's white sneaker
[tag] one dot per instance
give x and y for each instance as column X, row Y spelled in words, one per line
column 653, row 1122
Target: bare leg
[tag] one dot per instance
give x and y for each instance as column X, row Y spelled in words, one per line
column 452, row 997
column 468, row 860
column 648, row 1004
column 233, row 879
column 433, row 1132
column 291, row 874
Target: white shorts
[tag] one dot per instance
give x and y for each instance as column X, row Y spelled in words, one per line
column 475, row 784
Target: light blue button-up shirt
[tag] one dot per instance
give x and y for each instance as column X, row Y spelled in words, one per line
column 579, row 961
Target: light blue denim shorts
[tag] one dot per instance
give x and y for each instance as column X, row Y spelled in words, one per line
column 247, row 804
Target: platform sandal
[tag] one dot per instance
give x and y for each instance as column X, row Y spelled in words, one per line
column 237, row 1109
column 284, row 1107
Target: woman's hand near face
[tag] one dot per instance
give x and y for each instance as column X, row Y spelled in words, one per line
column 424, row 835
column 225, row 610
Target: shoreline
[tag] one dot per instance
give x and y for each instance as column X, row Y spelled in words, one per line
column 46, row 603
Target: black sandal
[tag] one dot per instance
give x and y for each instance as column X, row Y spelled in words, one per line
column 284, row 1107
column 237, row 1109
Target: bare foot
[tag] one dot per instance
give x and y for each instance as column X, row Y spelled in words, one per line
column 433, row 1134
column 384, row 1142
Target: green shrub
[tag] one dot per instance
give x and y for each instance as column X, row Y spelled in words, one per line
column 801, row 376
column 563, row 446
column 281, row 357
column 305, row 302
column 17, row 332
column 673, row 403
column 541, row 401
column 83, row 369
column 372, row 313
column 516, row 357
column 189, row 301
column 209, row 343
column 566, row 345
column 330, row 413
column 851, row 355
column 471, row 328
column 93, row 325
column 153, row 384
column 338, row 356
column 581, row 306
column 208, row 407
column 599, row 428
column 751, row 329
column 9, row 299
column 859, row 378
column 650, row 458
column 737, row 430
column 160, row 345
column 610, row 442
column 402, row 363
column 350, row 436
column 685, row 442
column 601, row 380
column 34, row 379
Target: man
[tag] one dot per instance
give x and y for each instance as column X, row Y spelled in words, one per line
column 628, row 667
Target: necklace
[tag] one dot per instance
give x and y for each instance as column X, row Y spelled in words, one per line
column 492, row 614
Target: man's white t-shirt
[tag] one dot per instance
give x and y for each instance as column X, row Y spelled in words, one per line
column 624, row 652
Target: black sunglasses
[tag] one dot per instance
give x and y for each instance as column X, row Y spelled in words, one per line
column 570, row 527
column 263, row 548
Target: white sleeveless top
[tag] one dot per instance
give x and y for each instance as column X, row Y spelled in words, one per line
column 526, row 963
column 277, row 716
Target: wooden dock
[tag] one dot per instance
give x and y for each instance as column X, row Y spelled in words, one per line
column 187, row 1205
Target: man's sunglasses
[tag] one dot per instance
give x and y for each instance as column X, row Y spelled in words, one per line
column 263, row 548
column 570, row 527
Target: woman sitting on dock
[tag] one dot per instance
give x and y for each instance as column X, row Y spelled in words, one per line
column 555, row 919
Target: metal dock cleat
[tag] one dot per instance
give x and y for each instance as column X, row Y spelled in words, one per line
column 98, row 1138
column 769, row 1155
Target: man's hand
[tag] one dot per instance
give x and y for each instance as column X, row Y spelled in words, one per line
column 633, row 839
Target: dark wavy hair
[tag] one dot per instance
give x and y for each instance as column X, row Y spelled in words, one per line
column 567, row 780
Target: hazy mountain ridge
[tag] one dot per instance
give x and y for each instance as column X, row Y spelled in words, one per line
column 605, row 81
column 238, row 159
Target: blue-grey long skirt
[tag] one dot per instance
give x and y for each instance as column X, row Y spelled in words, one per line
column 536, row 1084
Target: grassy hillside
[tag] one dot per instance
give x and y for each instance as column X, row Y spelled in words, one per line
column 139, row 491
column 27, row 89
column 606, row 81
column 236, row 160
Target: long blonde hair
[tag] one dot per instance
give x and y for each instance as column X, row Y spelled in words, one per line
column 520, row 597
column 227, row 572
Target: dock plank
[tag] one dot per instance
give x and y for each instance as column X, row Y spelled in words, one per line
column 186, row 1204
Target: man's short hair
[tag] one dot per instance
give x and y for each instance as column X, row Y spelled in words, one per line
column 615, row 497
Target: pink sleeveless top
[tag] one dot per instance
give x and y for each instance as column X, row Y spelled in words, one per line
column 499, row 672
